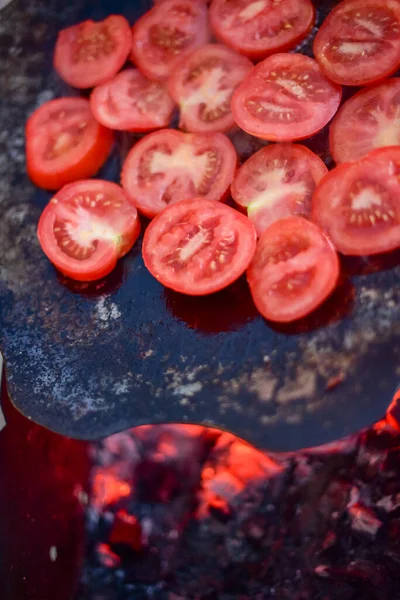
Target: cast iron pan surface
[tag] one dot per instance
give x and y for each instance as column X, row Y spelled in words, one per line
column 91, row 360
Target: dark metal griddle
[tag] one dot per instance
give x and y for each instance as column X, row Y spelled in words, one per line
column 88, row 361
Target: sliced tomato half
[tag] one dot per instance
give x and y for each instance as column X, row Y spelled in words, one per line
column 198, row 247
column 277, row 181
column 359, row 41
column 65, row 143
column 131, row 102
column 87, row 227
column 203, row 83
column 91, row 53
column 295, row 268
column 167, row 32
column 368, row 120
column 168, row 166
column 284, row 98
column 258, row 28
column 358, row 204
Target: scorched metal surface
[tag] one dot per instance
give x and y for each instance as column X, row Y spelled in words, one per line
column 87, row 361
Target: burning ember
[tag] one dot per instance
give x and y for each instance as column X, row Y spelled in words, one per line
column 185, row 512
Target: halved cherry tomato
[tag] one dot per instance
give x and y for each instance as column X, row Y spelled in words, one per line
column 368, row 120
column 65, row 143
column 90, row 53
column 131, row 102
column 258, row 28
column 87, row 227
column 358, row 204
column 203, row 83
column 167, row 32
column 284, row 98
column 198, row 247
column 168, row 166
column 295, row 268
column 359, row 41
column 277, row 181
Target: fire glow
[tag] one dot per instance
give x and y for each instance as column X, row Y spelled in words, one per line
column 153, row 486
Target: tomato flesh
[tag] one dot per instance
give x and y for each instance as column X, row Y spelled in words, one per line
column 284, row 98
column 198, row 247
column 294, row 269
column 368, row 120
column 203, row 84
column 91, row 53
column 359, row 41
column 168, row 166
column 87, row 227
column 166, row 33
column 358, row 204
column 258, row 28
column 277, row 181
column 130, row 102
column 65, row 143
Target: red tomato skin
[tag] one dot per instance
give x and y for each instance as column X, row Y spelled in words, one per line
column 163, row 219
column 146, row 125
column 109, row 255
column 326, row 219
column 257, row 129
column 332, row 268
column 138, row 57
column 352, row 79
column 341, row 155
column 187, row 121
column 86, row 166
column 253, row 54
column 95, row 274
column 91, row 77
column 130, row 163
column 317, row 169
column 103, row 269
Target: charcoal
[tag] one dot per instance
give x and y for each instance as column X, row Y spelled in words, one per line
column 222, row 520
